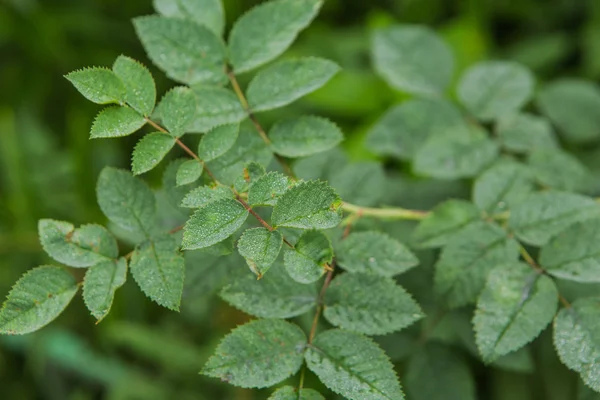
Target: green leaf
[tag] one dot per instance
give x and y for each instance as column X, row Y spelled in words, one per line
column 150, row 150
column 573, row 254
column 404, row 128
column 273, row 296
column 215, row 106
column 353, row 366
column 213, row 223
column 542, row 215
column 493, row 89
column 572, row 104
column 36, row 300
column 177, row 109
column 291, row 393
column 139, row 84
column 376, row 253
column 467, row 259
column 251, row 172
column 185, row 51
column 363, row 182
column 436, row 372
column 304, row 136
column 99, row 85
column 116, row 121
column 369, row 304
column 100, row 284
column 286, row 81
column 189, row 172
column 260, row 247
column 557, row 169
column 412, row 59
column 306, row 262
column 258, row 354
column 522, row 133
column 267, row 189
column 310, row 204
column 217, row 141
column 267, row 30
column 577, row 339
column 209, row 13
column 444, row 222
column 158, row 268
column 203, row 195
column 83, row 247
column 126, row 201
column 515, row 306
column 174, row 194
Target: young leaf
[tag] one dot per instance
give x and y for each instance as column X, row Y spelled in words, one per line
column 267, row 189
column 412, row 59
column 141, row 91
column 291, row 393
column 375, row 253
column 576, row 331
column 353, row 366
column 306, row 262
column 557, row 169
column 213, row 223
column 83, row 247
column 116, row 121
column 217, row 141
column 493, row 89
column 203, row 195
column 515, row 306
column 100, row 284
column 189, row 172
column 260, row 247
column 215, row 106
column 251, row 173
column 304, row 136
column 465, row 262
column 273, row 296
column 185, row 51
column 369, row 304
column 267, row 30
column 177, row 109
column 150, row 150
column 99, row 85
column 126, row 201
column 542, row 215
column 311, row 204
column 258, row 354
column 204, row 12
column 36, row 300
column 522, row 133
column 286, row 81
column 158, row 268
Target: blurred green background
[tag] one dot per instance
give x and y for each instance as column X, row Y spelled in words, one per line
column 48, row 169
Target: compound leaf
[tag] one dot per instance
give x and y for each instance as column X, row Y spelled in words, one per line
column 139, row 84
column 217, row 141
column 99, row 85
column 116, row 121
column 189, row 172
column 177, row 108
column 304, row 136
column 260, row 247
column 307, row 261
column 150, row 150
column 267, row 189
column 100, row 284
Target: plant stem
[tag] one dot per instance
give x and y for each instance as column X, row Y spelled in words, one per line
column 313, row 328
column 385, row 213
column 259, row 218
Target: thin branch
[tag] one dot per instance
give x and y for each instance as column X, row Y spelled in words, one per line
column 385, row 213
column 259, row 218
column 313, row 328
column 533, row 264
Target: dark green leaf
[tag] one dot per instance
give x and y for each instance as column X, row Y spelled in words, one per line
column 557, row 169
column 304, row 136
column 217, row 141
column 177, row 109
column 141, row 92
column 260, row 247
column 267, row 189
column 99, row 286
column 150, row 150
column 215, row 106
column 201, row 196
column 363, row 182
column 291, row 393
column 307, row 261
column 524, row 132
column 189, row 172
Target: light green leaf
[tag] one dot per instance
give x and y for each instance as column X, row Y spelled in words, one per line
column 213, row 223
column 273, row 296
column 353, row 366
column 205, row 12
column 260, row 247
column 82, row 247
column 306, row 262
column 574, row 254
column 369, row 304
column 577, row 339
column 376, row 253
column 572, row 105
column 311, row 204
column 36, row 300
column 542, row 215
column 126, row 201
column 116, row 121
column 291, row 393
column 557, row 169
column 404, row 128
column 100, row 284
column 515, row 306
column 286, row 81
column 99, row 85
column 189, row 172
column 413, row 59
column 177, row 109
column 493, row 89
column 363, row 182
column 467, row 259
column 158, row 268
column 444, row 222
column 185, row 51
column 304, row 136
column 215, row 106
column 258, row 354
column 217, row 141
column 138, row 81
column 203, row 195
column 267, row 189
column 267, row 30
column 522, row 133
column 150, row 150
